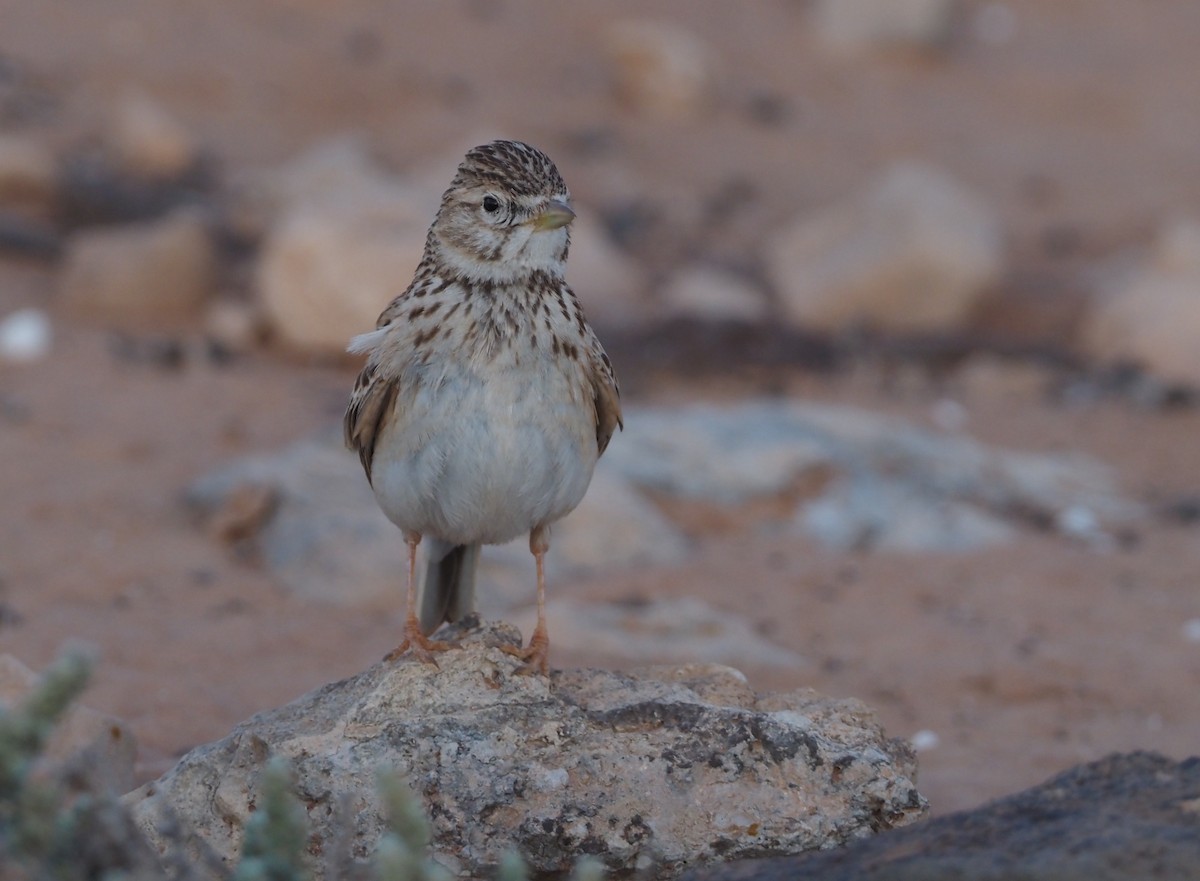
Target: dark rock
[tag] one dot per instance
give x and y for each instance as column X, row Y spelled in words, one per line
column 1125, row 817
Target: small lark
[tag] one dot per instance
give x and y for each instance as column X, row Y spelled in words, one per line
column 486, row 398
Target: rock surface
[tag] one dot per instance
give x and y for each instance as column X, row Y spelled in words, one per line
column 142, row 273
column 1123, row 818
column 897, row 486
column 658, row 68
column 344, row 239
column 99, row 747
column 344, row 236
column 914, row 252
column 308, row 513
column 147, row 140
column 1153, row 317
column 28, row 171
column 25, row 336
column 852, row 25
column 649, row 773
column 713, row 295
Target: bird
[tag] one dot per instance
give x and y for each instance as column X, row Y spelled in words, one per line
column 486, row 398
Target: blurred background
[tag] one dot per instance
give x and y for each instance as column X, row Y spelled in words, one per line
column 904, row 296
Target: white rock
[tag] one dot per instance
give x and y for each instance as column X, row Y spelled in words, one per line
column 325, row 275
column 914, row 252
column 236, row 326
column 717, row 454
column 341, row 172
column 666, row 769
column 325, row 538
column 25, row 336
column 899, row 486
column 851, row 25
column 147, row 140
column 161, row 270
column 925, row 740
column 345, row 236
column 659, row 68
column 875, row 513
column 28, row 170
column 1153, row 318
column 615, row 527
column 713, row 295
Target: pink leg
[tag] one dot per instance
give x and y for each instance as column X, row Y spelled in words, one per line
column 415, row 644
column 537, row 655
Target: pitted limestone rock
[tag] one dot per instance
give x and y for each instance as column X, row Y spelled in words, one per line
column 650, row 772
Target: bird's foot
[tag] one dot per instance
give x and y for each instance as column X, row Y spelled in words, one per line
column 418, row 646
column 536, row 656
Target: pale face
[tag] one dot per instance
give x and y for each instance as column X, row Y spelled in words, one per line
column 486, row 232
column 505, row 215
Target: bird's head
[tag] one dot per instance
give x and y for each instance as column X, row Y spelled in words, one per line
column 506, row 215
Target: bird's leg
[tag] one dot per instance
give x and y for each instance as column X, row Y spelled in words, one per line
column 416, row 644
column 537, row 655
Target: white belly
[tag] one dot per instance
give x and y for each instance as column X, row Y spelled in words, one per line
column 472, row 462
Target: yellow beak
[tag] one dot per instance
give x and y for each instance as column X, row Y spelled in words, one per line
column 556, row 214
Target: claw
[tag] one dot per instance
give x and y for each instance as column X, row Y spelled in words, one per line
column 536, row 656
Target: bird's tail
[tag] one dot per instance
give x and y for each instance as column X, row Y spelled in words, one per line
column 448, row 589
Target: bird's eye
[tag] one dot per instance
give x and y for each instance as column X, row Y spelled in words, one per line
column 491, row 204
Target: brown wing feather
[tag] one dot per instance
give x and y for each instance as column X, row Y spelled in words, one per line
column 607, row 397
column 371, row 407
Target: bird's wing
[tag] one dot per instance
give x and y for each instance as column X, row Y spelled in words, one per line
column 376, row 391
column 372, row 406
column 606, row 392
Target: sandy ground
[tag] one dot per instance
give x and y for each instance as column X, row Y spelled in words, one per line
column 1024, row 660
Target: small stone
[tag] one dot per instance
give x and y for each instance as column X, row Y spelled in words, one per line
column 713, row 295
column 25, row 336
column 1191, row 630
column 925, row 740
column 148, row 141
column 246, row 510
column 913, row 253
column 140, row 274
column 659, row 68
column 235, row 326
column 100, row 746
column 1153, row 317
column 28, row 171
column 855, row 25
column 345, row 239
column 324, row 277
